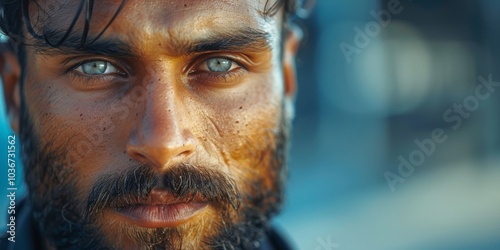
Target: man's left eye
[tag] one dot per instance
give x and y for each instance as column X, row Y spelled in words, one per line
column 97, row 68
column 219, row 65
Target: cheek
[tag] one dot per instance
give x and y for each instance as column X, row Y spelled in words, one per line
column 245, row 125
column 89, row 133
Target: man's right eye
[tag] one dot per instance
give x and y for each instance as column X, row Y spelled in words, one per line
column 97, row 67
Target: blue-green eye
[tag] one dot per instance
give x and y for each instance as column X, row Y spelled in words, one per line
column 97, row 68
column 219, row 64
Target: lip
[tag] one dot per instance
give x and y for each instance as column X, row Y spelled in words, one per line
column 162, row 209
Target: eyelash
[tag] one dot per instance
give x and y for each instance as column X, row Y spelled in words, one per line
column 95, row 80
column 211, row 77
column 91, row 80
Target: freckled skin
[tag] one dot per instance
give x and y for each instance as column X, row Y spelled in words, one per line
column 166, row 109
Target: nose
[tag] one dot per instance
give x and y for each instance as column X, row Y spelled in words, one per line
column 161, row 136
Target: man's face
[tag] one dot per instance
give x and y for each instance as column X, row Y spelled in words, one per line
column 167, row 131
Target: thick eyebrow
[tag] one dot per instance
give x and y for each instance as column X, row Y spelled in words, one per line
column 244, row 39
column 72, row 45
column 240, row 39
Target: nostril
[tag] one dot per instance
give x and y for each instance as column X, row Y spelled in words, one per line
column 136, row 154
column 161, row 150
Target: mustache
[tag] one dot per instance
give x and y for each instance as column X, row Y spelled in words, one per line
column 182, row 181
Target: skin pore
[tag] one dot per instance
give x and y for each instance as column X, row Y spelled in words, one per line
column 184, row 101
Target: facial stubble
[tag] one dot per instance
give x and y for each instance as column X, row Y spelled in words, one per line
column 69, row 219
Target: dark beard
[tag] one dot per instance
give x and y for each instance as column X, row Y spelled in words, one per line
column 68, row 219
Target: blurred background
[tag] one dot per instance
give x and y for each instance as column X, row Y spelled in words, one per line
column 396, row 141
column 374, row 77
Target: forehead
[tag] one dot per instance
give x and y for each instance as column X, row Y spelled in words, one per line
column 137, row 19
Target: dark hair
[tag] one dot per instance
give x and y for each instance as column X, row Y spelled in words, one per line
column 15, row 13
